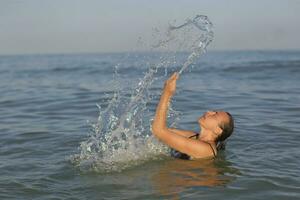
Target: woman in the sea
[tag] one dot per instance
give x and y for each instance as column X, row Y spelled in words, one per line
column 216, row 127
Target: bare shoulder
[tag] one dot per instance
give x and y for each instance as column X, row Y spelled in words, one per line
column 200, row 149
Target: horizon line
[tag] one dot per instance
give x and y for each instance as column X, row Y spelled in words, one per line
column 140, row 51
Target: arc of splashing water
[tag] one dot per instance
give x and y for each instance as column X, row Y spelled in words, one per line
column 99, row 147
column 204, row 25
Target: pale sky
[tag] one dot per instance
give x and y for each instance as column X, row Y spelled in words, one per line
column 87, row 26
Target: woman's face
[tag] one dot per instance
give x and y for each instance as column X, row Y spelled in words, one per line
column 212, row 119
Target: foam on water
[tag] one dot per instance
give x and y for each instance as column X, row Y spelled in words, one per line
column 122, row 136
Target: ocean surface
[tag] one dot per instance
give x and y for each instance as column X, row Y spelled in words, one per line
column 48, row 103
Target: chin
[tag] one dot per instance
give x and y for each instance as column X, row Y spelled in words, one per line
column 200, row 121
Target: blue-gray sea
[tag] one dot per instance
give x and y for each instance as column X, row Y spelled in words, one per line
column 47, row 100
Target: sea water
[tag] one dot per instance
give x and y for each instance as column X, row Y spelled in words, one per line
column 46, row 101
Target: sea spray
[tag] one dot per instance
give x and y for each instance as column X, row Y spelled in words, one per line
column 121, row 137
column 193, row 36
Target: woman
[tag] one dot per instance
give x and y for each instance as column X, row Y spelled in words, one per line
column 216, row 127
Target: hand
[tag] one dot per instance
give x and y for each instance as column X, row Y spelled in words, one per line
column 170, row 84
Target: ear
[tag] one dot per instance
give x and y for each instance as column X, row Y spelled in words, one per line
column 218, row 130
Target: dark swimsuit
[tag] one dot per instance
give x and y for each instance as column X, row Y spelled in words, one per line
column 178, row 154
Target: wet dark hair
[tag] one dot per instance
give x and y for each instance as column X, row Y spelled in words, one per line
column 227, row 131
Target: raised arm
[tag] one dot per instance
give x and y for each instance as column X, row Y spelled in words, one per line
column 160, row 119
column 176, row 139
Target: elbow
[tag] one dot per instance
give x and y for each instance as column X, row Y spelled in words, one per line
column 158, row 131
column 156, row 128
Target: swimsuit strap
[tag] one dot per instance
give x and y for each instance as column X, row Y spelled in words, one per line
column 212, row 149
column 197, row 135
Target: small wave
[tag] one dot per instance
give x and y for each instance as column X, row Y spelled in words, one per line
column 258, row 66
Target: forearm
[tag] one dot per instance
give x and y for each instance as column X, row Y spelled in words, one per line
column 160, row 119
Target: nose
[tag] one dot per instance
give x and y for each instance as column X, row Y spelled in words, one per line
column 209, row 112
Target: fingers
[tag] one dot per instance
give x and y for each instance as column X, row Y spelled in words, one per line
column 173, row 78
column 175, row 75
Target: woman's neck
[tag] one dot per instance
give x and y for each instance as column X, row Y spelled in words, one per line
column 207, row 136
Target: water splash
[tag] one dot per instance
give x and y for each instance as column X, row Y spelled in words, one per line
column 122, row 137
column 192, row 36
column 203, row 24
